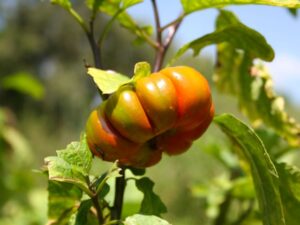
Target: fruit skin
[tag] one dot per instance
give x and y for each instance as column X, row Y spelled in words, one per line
column 163, row 112
column 179, row 139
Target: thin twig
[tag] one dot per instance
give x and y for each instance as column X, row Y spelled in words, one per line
column 157, row 21
column 94, row 197
column 79, row 20
column 108, row 27
column 161, row 52
column 180, row 18
column 94, row 45
column 172, row 31
column 116, row 210
column 159, row 55
column 96, row 50
column 163, row 46
column 98, row 209
column 224, row 207
column 89, row 31
column 159, row 58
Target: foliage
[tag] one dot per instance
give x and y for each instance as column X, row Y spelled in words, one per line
column 24, row 83
column 70, row 183
column 255, row 91
column 151, row 204
column 194, row 5
column 257, row 160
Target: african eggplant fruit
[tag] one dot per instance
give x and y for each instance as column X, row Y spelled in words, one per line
column 163, row 112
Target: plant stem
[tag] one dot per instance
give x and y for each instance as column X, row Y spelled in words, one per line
column 98, row 209
column 96, row 49
column 94, row 197
column 224, row 207
column 89, row 31
column 108, row 27
column 78, row 18
column 177, row 20
column 94, row 45
column 116, row 211
column 157, row 21
column 172, row 31
column 159, row 55
column 162, row 46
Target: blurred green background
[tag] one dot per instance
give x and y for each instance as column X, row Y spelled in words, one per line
column 45, row 98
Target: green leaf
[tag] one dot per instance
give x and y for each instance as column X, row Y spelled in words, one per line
column 107, row 81
column 274, row 142
column 101, row 185
column 71, row 165
column 66, row 4
column 190, row 6
column 9, row 135
column 18, row 143
column 138, row 219
column 60, row 170
column 141, row 69
column 24, row 83
column 242, row 188
column 214, row 191
column 63, row 199
column 293, row 12
column 237, row 35
column 222, row 153
column 3, row 118
column 104, row 191
column 263, row 171
column 84, row 215
column 137, row 171
column 151, row 203
column 252, row 85
column 111, row 5
column 289, row 184
column 128, row 3
column 84, row 208
column 117, row 10
column 78, row 155
column 94, row 4
column 142, row 33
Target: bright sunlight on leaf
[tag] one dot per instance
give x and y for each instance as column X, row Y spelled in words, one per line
column 194, row 5
column 71, row 165
column 66, row 4
column 237, row 35
column 107, row 81
column 141, row 69
column 144, row 220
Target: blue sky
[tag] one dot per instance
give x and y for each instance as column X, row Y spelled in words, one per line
column 281, row 30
